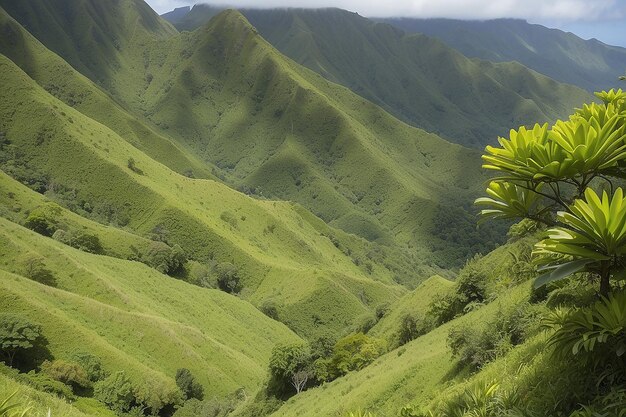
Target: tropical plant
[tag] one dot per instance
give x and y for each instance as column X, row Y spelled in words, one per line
column 548, row 175
column 603, row 325
column 8, row 409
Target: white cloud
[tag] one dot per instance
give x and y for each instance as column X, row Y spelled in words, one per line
column 564, row 10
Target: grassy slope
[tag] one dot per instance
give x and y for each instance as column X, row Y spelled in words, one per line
column 40, row 402
column 207, row 219
column 288, row 133
column 135, row 318
column 58, row 78
column 273, row 128
column 418, row 79
column 415, row 303
column 414, row 373
column 421, row 370
column 589, row 64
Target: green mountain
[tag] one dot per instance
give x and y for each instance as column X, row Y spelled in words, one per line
column 563, row 56
column 298, row 138
column 416, row 78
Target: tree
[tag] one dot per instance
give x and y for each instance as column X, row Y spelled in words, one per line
column 35, row 269
column 410, row 329
column 116, row 392
column 290, row 366
column 228, row 279
column 549, row 176
column 91, row 364
column 18, row 334
column 44, row 219
column 355, row 352
column 189, row 387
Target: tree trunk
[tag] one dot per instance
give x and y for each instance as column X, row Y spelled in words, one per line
column 605, row 275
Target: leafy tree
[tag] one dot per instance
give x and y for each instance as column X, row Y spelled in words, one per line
column 69, row 373
column 157, row 397
column 86, row 242
column 189, row 387
column 165, row 259
column 410, row 329
column 18, row 334
column 34, row 268
column 356, row 351
column 548, row 175
column 91, row 364
column 116, row 392
column 44, row 219
column 228, row 278
column 289, row 366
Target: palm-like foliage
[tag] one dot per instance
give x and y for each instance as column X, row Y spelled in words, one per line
column 544, row 170
column 8, row 409
column 594, row 229
column 508, row 201
column 583, row 330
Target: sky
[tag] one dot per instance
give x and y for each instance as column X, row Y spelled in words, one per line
column 602, row 19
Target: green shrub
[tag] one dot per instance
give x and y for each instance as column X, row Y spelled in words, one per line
column 165, row 259
column 477, row 345
column 410, row 329
column 189, row 387
column 355, row 352
column 228, row 278
column 116, row 392
column 91, row 364
column 86, row 242
column 69, row 373
column 44, row 219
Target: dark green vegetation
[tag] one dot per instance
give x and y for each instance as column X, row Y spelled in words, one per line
column 589, row 64
column 416, row 78
column 192, row 224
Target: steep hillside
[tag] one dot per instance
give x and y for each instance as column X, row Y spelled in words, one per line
column 298, row 138
column 136, row 319
column 280, row 254
column 565, row 57
column 417, row 79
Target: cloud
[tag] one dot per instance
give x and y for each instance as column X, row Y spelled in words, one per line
column 564, row 10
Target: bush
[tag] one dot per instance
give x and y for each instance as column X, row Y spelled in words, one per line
column 86, row 242
column 270, row 309
column 92, row 366
column 157, row 396
column 69, row 373
column 44, row 382
column 189, row 387
column 165, row 259
column 475, row 346
column 116, row 392
column 34, row 268
column 228, row 279
column 288, row 364
column 410, row 329
column 354, row 352
column 44, row 219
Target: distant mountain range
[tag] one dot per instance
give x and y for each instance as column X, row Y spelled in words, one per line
column 416, row 78
column 589, row 64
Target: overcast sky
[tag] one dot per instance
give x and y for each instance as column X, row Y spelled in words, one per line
column 602, row 19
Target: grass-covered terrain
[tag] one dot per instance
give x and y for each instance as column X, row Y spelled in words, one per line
column 193, row 224
column 418, row 79
column 589, row 64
